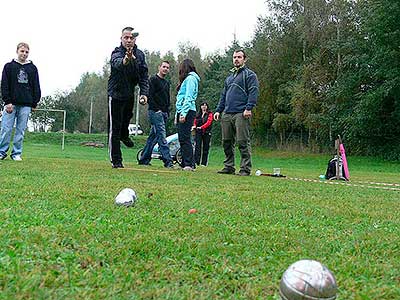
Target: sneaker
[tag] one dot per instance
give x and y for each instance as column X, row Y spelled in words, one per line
column 3, row 156
column 227, row 171
column 142, row 163
column 16, row 157
column 169, row 166
column 243, row 173
column 127, row 142
column 187, row 168
column 117, row 165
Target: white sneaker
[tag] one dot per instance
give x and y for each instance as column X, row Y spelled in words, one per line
column 187, row 168
column 16, row 157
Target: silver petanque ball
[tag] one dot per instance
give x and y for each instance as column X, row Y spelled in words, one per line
column 127, row 197
column 308, row 280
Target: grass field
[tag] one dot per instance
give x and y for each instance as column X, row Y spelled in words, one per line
column 62, row 237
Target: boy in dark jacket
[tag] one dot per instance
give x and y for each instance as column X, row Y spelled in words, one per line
column 128, row 69
column 20, row 90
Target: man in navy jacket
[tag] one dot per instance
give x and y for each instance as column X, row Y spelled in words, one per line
column 128, row 69
column 20, row 90
column 238, row 98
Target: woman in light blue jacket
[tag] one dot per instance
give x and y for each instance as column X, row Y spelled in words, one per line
column 186, row 110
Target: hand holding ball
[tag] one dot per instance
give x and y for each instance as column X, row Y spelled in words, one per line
column 143, row 100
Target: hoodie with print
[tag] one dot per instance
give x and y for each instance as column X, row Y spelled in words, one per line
column 20, row 84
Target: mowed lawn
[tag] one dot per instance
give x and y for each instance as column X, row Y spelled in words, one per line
column 62, row 237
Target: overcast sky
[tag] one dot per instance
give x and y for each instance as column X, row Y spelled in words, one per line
column 70, row 37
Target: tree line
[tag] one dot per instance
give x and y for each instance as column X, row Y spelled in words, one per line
column 326, row 67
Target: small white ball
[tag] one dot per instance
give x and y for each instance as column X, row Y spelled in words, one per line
column 258, row 172
column 126, row 197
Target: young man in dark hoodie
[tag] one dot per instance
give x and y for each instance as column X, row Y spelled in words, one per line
column 20, row 90
column 128, row 69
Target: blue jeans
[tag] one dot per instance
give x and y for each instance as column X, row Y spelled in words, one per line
column 157, row 135
column 185, row 139
column 20, row 115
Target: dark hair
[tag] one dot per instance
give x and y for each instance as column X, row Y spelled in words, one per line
column 128, row 28
column 186, row 66
column 164, row 61
column 200, row 112
column 240, row 50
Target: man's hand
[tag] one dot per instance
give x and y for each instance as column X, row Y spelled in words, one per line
column 9, row 108
column 128, row 56
column 143, row 99
column 182, row 119
column 216, row 116
column 247, row 114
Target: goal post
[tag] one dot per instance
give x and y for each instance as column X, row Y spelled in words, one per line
column 64, row 117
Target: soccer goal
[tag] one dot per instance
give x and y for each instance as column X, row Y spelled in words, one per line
column 64, row 112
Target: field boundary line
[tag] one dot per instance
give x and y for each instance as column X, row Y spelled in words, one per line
column 347, row 183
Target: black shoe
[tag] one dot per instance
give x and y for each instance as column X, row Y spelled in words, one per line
column 143, row 163
column 227, row 171
column 169, row 166
column 243, row 173
column 117, row 165
column 127, row 142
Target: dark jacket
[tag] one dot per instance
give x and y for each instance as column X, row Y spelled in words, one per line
column 159, row 97
column 240, row 92
column 20, row 84
column 124, row 78
column 205, row 123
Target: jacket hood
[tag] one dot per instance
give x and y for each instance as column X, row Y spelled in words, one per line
column 20, row 63
column 195, row 75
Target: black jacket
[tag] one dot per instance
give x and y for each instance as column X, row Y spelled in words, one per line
column 159, row 97
column 124, row 78
column 20, row 84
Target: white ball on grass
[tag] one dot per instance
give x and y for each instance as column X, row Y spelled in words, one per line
column 308, row 280
column 127, row 197
column 258, row 173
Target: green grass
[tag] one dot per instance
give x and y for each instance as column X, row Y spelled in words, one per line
column 62, row 237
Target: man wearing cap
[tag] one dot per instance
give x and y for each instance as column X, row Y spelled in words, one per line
column 128, row 69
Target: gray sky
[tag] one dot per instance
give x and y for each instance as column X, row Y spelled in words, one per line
column 68, row 38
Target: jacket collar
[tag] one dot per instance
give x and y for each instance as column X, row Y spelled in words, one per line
column 237, row 70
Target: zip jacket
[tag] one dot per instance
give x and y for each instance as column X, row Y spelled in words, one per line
column 124, row 78
column 240, row 92
column 187, row 94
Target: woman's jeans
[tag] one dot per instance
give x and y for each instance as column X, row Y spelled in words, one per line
column 185, row 139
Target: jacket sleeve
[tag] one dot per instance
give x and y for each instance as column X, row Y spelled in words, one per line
column 116, row 60
column 191, row 87
column 252, row 89
column 208, row 123
column 5, row 87
column 143, row 77
column 37, row 94
column 221, row 105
